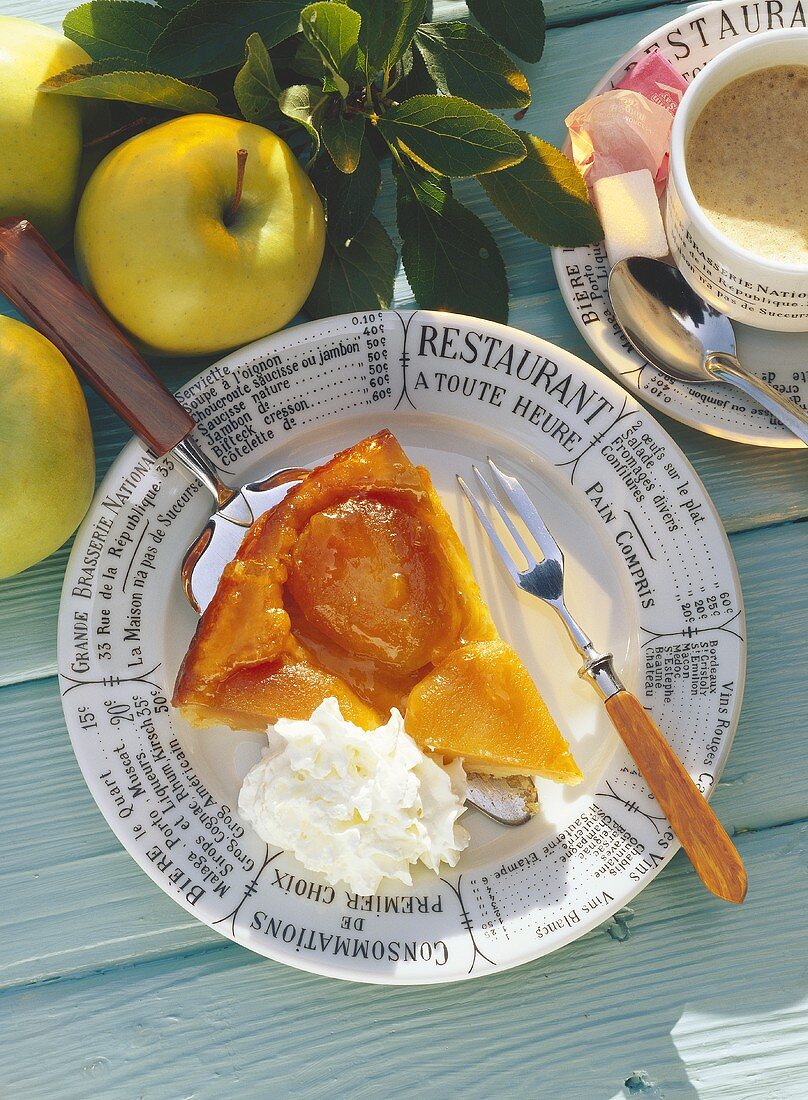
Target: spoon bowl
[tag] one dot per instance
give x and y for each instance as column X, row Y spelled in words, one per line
column 682, row 335
column 666, row 321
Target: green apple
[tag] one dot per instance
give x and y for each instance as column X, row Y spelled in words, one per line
column 47, row 469
column 178, row 263
column 40, row 134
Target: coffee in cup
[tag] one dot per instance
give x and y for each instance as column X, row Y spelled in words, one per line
column 747, row 157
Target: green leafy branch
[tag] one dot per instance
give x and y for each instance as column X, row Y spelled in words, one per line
column 348, row 84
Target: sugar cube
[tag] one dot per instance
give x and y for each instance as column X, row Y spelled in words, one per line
column 629, row 211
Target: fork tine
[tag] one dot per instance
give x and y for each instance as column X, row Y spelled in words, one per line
column 490, row 530
column 527, row 510
column 530, row 557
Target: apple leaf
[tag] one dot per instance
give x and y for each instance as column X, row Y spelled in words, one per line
column 333, row 30
column 463, row 61
column 450, row 136
column 350, row 198
column 115, row 28
column 519, row 25
column 405, row 66
column 377, row 30
column 412, row 14
column 307, row 62
column 386, row 30
column 171, row 5
column 111, row 80
column 355, row 275
column 305, row 103
column 545, row 197
column 415, row 80
column 450, row 258
column 342, row 137
column 256, row 87
column 208, row 35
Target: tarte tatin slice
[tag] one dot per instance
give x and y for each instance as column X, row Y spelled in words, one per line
column 356, row 586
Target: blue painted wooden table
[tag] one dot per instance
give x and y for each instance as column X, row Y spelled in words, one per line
column 108, row 989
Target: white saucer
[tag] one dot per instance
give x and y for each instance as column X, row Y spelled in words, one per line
column 689, row 42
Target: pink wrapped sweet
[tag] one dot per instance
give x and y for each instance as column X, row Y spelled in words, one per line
column 654, row 77
column 620, row 131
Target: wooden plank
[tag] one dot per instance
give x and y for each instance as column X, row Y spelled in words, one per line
column 681, row 996
column 61, row 862
column 62, row 866
column 558, row 11
column 756, row 789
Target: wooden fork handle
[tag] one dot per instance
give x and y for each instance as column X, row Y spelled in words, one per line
column 42, row 288
column 702, row 835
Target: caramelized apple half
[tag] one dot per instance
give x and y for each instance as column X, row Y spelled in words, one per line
column 482, row 696
column 372, row 578
column 357, row 586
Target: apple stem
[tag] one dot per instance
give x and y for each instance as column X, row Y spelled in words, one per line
column 241, row 160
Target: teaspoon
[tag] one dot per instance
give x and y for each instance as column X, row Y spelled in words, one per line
column 681, row 334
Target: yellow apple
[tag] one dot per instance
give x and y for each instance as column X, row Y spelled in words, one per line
column 158, row 242
column 47, row 469
column 40, row 134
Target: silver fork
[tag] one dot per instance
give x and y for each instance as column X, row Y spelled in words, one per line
column 701, row 834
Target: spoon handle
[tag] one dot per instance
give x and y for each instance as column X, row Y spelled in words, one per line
column 726, row 368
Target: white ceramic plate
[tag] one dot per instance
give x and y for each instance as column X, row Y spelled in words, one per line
column 689, row 42
column 649, row 573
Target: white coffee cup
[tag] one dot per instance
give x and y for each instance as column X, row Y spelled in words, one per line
column 747, row 287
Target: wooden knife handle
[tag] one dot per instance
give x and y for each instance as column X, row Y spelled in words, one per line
column 42, row 288
column 702, row 835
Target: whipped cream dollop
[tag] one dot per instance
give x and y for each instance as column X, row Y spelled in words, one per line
column 354, row 805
